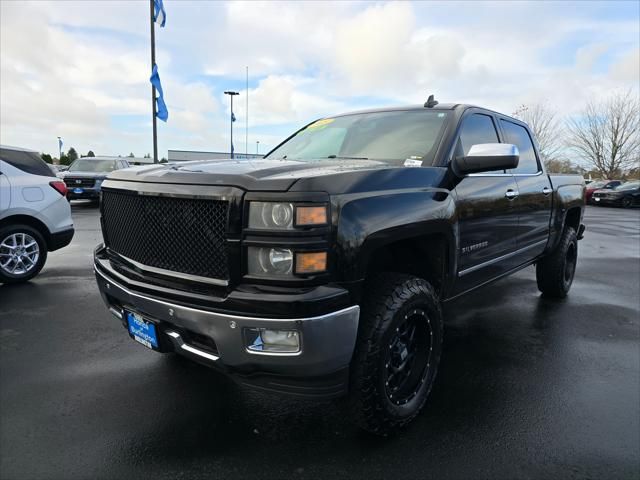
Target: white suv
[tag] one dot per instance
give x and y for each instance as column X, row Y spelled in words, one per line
column 35, row 216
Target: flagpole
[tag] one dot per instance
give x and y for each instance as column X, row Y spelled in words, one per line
column 153, row 88
column 231, row 126
column 246, row 122
column 232, row 94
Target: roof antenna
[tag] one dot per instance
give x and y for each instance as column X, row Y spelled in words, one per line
column 431, row 102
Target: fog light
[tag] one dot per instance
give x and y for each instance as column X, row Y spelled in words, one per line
column 272, row 341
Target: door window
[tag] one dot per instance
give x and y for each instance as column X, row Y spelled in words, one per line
column 476, row 129
column 518, row 136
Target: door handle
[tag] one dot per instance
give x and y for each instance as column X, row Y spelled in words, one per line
column 546, row 191
column 511, row 194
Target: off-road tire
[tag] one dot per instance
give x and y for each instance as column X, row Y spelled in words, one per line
column 555, row 272
column 390, row 298
column 6, row 277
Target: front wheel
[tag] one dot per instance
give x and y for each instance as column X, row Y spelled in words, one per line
column 555, row 272
column 397, row 352
column 627, row 202
column 23, row 253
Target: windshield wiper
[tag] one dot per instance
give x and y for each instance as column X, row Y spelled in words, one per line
column 348, row 158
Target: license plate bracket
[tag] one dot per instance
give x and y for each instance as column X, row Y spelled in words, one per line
column 142, row 330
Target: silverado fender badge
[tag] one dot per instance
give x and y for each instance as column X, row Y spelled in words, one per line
column 475, row 246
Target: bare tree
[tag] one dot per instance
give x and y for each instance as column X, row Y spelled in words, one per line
column 546, row 127
column 607, row 134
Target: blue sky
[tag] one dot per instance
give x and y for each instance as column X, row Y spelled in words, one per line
column 80, row 69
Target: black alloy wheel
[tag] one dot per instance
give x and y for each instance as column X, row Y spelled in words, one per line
column 397, row 353
column 408, row 357
column 555, row 271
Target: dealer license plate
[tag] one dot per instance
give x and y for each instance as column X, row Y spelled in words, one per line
column 78, row 190
column 597, row 199
column 142, row 331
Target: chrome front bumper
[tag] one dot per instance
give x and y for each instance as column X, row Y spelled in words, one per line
column 327, row 341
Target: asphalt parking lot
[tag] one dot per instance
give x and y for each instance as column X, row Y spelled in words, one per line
column 528, row 387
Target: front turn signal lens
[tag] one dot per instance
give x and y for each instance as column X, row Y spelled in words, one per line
column 315, row 262
column 306, row 216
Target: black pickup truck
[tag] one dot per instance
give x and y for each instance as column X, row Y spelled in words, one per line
column 320, row 270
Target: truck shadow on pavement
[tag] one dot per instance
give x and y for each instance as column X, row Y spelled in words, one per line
column 487, row 353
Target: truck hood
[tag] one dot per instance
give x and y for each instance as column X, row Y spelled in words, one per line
column 327, row 175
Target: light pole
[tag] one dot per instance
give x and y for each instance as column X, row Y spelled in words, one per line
column 59, row 149
column 257, row 144
column 233, row 118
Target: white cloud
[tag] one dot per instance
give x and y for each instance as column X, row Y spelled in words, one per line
column 80, row 69
column 627, row 68
column 282, row 99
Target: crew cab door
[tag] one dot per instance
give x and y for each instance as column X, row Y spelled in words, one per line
column 487, row 219
column 535, row 193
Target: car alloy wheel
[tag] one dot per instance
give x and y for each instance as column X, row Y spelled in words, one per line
column 19, row 253
column 408, row 357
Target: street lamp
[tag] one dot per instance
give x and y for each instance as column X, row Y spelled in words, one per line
column 59, row 149
column 233, row 118
column 257, row 144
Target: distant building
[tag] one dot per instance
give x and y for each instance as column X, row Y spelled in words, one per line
column 187, row 155
column 131, row 160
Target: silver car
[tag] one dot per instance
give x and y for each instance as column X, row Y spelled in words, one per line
column 35, row 216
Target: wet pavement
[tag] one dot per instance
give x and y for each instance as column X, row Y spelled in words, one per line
column 528, row 387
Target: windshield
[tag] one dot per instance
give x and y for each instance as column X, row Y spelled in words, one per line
column 393, row 136
column 628, row 186
column 93, row 166
column 596, row 185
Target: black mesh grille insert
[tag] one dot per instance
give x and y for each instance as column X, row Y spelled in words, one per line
column 79, row 182
column 177, row 234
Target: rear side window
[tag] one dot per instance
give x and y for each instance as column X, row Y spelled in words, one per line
column 476, row 129
column 29, row 162
column 518, row 136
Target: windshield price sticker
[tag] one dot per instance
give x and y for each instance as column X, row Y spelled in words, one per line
column 412, row 162
column 320, row 124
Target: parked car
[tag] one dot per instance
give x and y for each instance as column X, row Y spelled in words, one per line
column 320, row 270
column 85, row 176
column 599, row 185
column 35, row 217
column 625, row 195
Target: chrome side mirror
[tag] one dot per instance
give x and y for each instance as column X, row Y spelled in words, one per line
column 487, row 157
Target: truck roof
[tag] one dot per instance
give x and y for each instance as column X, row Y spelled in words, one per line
column 440, row 106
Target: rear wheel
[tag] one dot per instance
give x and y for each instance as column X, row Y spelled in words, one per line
column 627, row 202
column 23, row 253
column 555, row 272
column 397, row 353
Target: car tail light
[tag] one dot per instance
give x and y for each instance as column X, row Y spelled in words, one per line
column 60, row 187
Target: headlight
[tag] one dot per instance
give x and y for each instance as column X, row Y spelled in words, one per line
column 280, row 262
column 271, row 216
column 269, row 261
column 285, row 216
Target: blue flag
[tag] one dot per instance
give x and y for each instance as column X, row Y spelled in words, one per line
column 162, row 113
column 159, row 15
column 233, row 117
